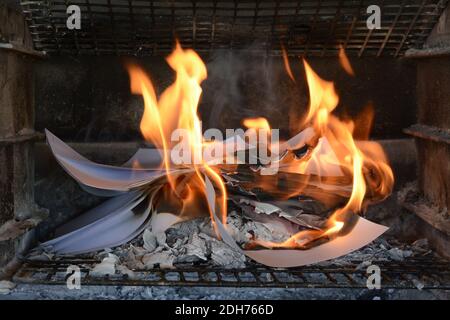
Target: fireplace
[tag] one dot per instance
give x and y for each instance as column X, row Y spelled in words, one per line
column 74, row 80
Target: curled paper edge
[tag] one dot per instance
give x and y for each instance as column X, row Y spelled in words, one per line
column 99, row 176
column 362, row 234
column 163, row 221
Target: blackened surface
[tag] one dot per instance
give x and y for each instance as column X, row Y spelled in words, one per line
column 88, row 99
column 16, row 117
column 433, row 98
column 317, row 28
column 433, row 92
column 434, row 172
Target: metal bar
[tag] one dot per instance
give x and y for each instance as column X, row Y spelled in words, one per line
column 19, row 49
column 35, row 136
column 152, row 27
column 274, row 21
column 234, row 23
column 429, row 133
column 333, row 26
column 91, row 23
column 352, row 26
column 113, row 38
column 75, row 35
column 213, row 26
column 55, row 34
column 209, row 24
column 172, row 20
column 255, row 15
column 395, row 275
column 305, row 52
column 391, row 28
column 194, row 24
column 411, row 25
column 428, row 53
column 437, row 11
column 133, row 27
column 369, row 34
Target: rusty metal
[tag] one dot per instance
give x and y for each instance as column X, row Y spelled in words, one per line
column 429, row 133
column 16, row 124
column 21, row 138
column 315, row 28
column 431, row 272
column 22, row 50
column 428, row 52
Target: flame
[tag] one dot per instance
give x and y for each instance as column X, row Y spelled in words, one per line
column 287, row 66
column 332, row 155
column 336, row 152
column 345, row 63
column 256, row 123
column 323, row 99
column 176, row 108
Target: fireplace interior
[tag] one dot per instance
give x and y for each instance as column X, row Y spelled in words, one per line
column 74, row 83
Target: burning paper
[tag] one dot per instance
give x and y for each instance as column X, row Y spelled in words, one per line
column 187, row 175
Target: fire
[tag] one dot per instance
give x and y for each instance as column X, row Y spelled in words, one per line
column 176, row 108
column 345, row 63
column 332, row 154
column 256, row 123
column 336, row 150
column 323, row 99
column 287, row 66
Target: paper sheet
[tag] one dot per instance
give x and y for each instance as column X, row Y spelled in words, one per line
column 362, row 234
column 124, row 217
column 105, row 232
column 162, row 221
column 101, row 176
column 102, row 210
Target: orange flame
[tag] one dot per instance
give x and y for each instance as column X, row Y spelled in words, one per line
column 256, row 123
column 333, row 152
column 336, row 152
column 287, row 66
column 345, row 63
column 323, row 99
column 176, row 108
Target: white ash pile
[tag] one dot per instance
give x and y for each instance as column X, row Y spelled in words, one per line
column 193, row 243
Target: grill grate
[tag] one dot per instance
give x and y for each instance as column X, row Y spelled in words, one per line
column 432, row 273
column 314, row 28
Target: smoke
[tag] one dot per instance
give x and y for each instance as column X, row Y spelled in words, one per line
column 246, row 84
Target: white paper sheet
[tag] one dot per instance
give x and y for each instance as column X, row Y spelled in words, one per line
column 101, row 176
column 122, row 218
column 362, row 234
column 105, row 232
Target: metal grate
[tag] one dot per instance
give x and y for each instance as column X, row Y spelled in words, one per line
column 143, row 27
column 429, row 272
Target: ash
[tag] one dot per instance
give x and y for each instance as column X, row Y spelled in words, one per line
column 193, row 243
